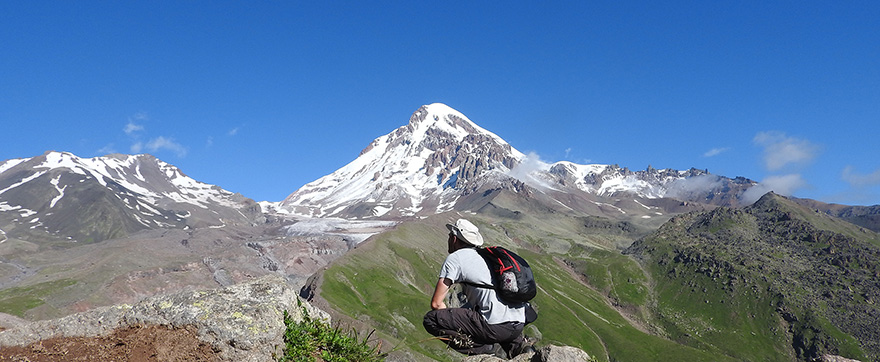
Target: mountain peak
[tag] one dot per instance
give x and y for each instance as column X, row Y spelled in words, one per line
column 409, row 169
column 58, row 195
column 439, row 156
column 443, row 121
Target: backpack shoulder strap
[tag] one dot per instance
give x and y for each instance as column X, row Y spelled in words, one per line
column 485, row 254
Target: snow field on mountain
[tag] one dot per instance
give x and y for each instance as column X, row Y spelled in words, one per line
column 127, row 173
column 23, row 181
column 10, row 164
column 394, row 169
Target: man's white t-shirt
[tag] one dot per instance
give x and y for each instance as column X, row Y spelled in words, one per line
column 466, row 265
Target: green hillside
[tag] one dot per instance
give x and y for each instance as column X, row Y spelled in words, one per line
column 729, row 284
column 583, row 287
column 783, row 280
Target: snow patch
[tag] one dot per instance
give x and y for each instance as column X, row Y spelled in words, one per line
column 27, row 212
column 630, row 184
column 136, row 216
column 643, row 205
column 23, row 181
column 446, row 206
column 137, row 173
column 148, row 207
column 10, row 164
column 54, row 182
column 6, row 207
column 609, row 205
column 379, row 210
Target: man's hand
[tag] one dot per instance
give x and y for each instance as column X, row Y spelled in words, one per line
column 438, row 301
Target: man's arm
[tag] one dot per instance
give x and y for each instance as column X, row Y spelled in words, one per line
column 438, row 300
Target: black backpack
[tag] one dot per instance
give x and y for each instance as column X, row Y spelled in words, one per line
column 512, row 277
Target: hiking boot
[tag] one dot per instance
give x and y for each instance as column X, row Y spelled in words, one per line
column 525, row 346
column 499, row 351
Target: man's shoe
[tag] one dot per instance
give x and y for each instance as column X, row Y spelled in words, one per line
column 519, row 349
column 499, row 352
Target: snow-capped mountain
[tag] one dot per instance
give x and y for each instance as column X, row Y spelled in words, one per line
column 441, row 156
column 420, row 166
column 59, row 195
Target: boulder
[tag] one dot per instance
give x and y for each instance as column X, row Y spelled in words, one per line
column 833, row 358
column 561, row 354
column 545, row 354
column 244, row 321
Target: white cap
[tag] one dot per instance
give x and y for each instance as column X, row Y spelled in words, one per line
column 466, row 231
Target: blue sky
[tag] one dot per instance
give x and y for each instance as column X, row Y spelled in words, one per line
column 263, row 97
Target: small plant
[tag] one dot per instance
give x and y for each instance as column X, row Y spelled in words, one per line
column 313, row 340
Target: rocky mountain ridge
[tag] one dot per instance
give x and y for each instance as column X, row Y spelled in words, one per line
column 440, row 158
column 61, row 196
column 864, row 216
column 817, row 273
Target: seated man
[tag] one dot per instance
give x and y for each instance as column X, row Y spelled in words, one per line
column 491, row 321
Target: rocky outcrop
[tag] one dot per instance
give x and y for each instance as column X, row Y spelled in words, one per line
column 244, row 322
column 832, row 358
column 545, row 354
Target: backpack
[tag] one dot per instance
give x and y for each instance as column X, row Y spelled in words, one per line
column 512, row 277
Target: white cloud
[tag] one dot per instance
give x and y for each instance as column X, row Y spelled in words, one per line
column 137, row 148
column 784, row 185
column 716, row 151
column 233, row 131
column 162, row 143
column 860, row 180
column 687, row 187
column 524, row 171
column 131, row 127
column 781, row 150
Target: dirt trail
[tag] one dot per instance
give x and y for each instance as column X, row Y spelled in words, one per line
column 135, row 344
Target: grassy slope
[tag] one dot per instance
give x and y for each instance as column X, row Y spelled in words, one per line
column 733, row 299
column 388, row 283
column 18, row 300
column 723, row 283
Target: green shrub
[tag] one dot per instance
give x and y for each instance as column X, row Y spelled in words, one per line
column 314, row 340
